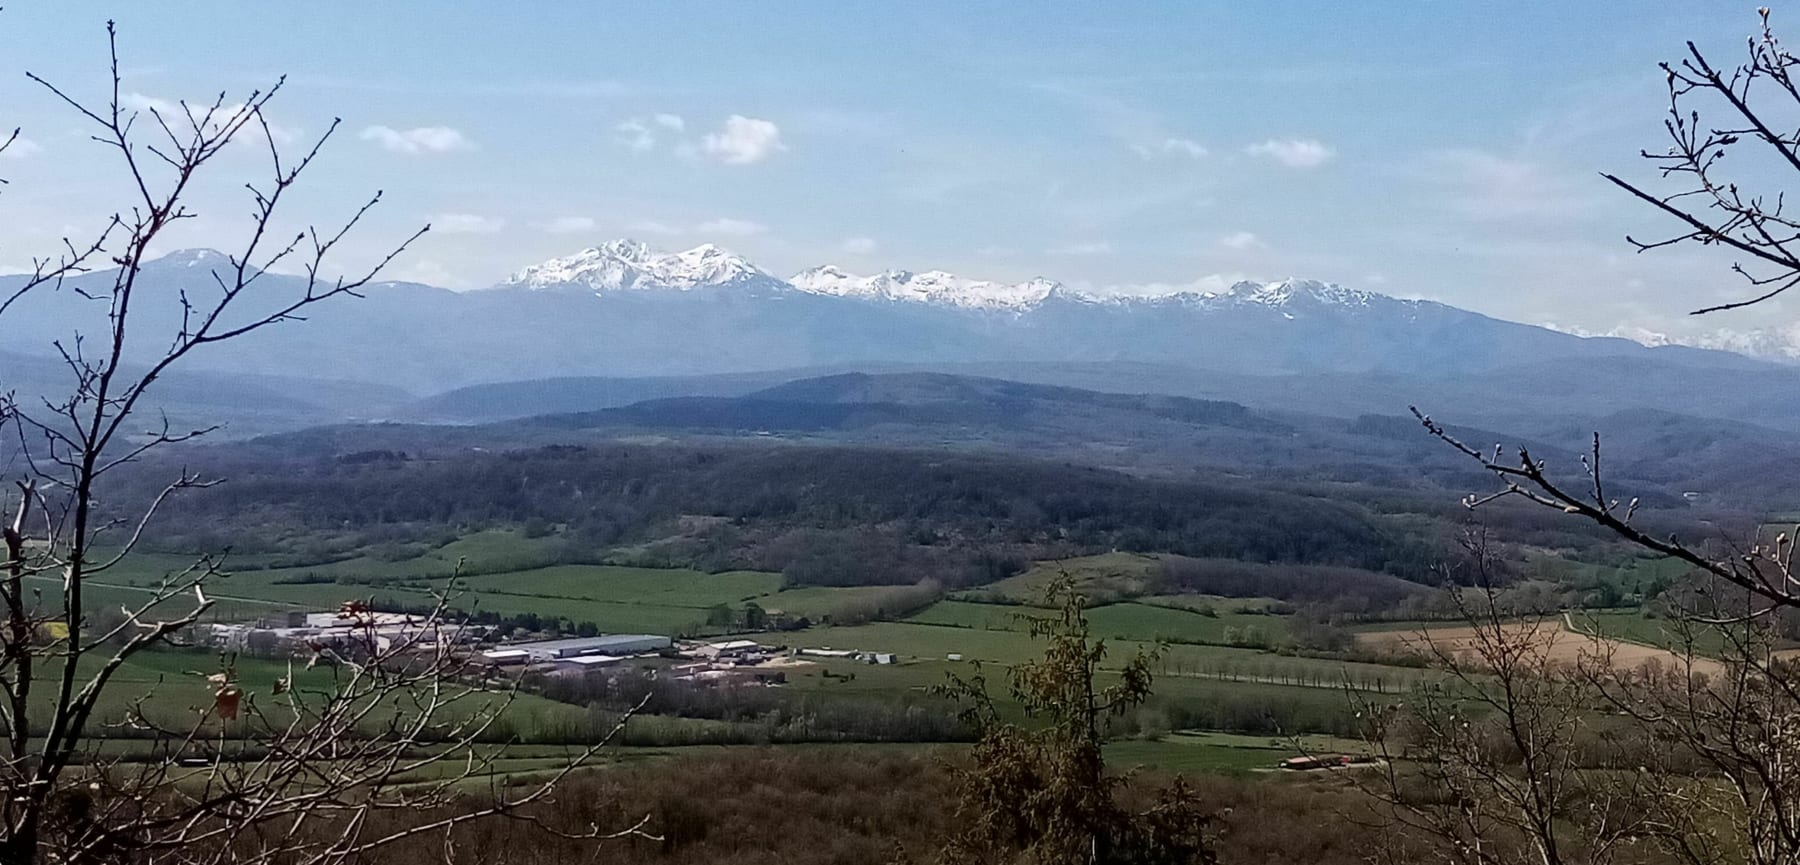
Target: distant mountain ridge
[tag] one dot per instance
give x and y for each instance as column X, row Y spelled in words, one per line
column 624, row 310
column 630, row 265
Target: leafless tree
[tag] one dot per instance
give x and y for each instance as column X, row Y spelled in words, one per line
column 284, row 772
column 1495, row 763
column 1759, row 103
column 1714, row 737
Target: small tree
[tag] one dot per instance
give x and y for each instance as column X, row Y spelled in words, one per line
column 1040, row 792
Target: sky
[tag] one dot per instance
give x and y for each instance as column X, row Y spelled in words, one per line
column 1448, row 151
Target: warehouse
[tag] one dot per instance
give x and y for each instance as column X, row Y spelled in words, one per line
column 612, row 644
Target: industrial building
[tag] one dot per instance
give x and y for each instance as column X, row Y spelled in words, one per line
column 575, row 647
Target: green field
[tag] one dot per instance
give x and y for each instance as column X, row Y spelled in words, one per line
column 497, row 576
column 1105, row 576
column 1202, row 679
column 930, row 644
column 1126, row 621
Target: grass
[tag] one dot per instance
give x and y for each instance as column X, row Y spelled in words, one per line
column 500, row 575
column 1217, row 603
column 815, row 601
column 1109, row 575
column 1211, row 753
column 930, row 644
column 671, row 587
column 1123, row 621
column 171, row 686
column 1633, row 626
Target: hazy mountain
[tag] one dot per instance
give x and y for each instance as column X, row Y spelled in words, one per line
column 622, row 310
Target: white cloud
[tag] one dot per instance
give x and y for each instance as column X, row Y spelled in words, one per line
column 730, row 227
column 1095, row 248
column 20, row 148
column 636, row 136
column 720, row 227
column 421, row 139
column 644, row 134
column 1489, row 186
column 743, row 141
column 651, row 226
column 466, row 223
column 1293, row 152
column 1240, row 240
column 1172, row 147
column 859, row 245
column 215, row 120
column 569, row 225
column 428, row 271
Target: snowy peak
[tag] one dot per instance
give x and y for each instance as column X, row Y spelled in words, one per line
column 181, row 258
column 1295, row 292
column 628, row 265
column 932, row 286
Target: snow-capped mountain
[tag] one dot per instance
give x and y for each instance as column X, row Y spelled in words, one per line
column 1779, row 344
column 1297, row 292
column 624, row 309
column 627, row 265
column 932, row 286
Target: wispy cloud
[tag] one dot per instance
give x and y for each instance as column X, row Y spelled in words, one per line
column 429, row 271
column 466, row 223
column 1293, row 152
column 418, row 140
column 723, row 226
column 743, row 141
column 651, row 226
column 859, row 245
column 1184, row 147
column 727, row 227
column 568, row 225
column 20, row 148
column 1240, row 240
column 1100, row 247
column 1486, row 185
column 739, row 141
column 643, row 134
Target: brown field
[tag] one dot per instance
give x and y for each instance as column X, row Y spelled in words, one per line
column 1552, row 636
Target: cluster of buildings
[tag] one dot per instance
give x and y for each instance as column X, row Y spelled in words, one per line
column 575, row 654
column 358, row 631
column 363, row 632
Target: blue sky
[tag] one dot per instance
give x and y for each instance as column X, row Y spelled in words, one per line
column 1439, row 150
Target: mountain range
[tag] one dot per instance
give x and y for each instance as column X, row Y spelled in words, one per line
column 624, row 318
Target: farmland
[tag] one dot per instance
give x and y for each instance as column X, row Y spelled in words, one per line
column 1223, row 663
column 1557, row 638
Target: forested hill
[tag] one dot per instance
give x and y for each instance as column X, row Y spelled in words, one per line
column 834, row 515
column 860, row 400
